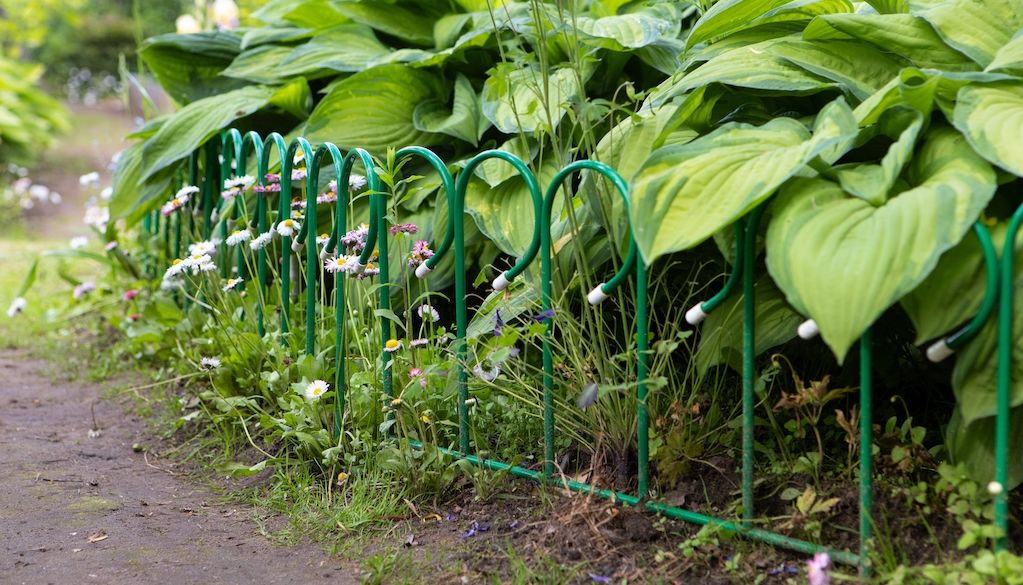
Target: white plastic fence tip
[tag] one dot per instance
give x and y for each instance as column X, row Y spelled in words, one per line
column 808, row 329
column 296, row 245
column 359, row 267
column 324, row 254
column 597, row 295
column 422, row 270
column 501, row 282
column 938, row 351
column 695, row 315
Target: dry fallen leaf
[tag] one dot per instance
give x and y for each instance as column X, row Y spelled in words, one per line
column 101, row 535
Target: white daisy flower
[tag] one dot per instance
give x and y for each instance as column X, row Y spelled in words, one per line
column 209, row 363
column 428, row 312
column 106, row 194
column 40, row 192
column 322, row 239
column 187, row 191
column 231, row 284
column 176, row 268
column 206, row 248
column 261, row 241
column 97, row 217
column 335, row 265
column 17, row 305
column 244, row 182
column 206, row 265
column 238, row 236
column 55, row 198
column 288, row 227
column 315, row 389
column 356, row 182
column 78, row 242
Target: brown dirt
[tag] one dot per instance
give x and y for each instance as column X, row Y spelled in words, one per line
column 75, row 509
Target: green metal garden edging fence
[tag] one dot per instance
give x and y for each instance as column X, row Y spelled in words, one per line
column 226, row 158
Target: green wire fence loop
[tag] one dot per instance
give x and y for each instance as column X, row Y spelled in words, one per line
column 453, row 233
column 630, row 264
column 534, row 192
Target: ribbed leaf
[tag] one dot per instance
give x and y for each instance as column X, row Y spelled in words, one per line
column 463, row 120
column 373, row 109
column 513, row 98
column 413, row 27
column 259, row 64
column 505, row 213
column 991, row 118
column 859, row 68
column 261, row 36
column 731, row 16
column 189, row 66
column 843, row 261
column 978, row 29
column 1009, row 57
column 872, row 182
column 321, row 53
column 902, row 34
column 634, row 30
column 683, row 194
column 196, row 123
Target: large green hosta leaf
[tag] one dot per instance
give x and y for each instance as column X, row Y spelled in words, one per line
column 373, row 109
column 873, row 182
column 188, row 66
column 901, row 34
column 991, row 118
column 754, row 67
column 731, row 16
column 462, row 121
column 197, row 122
column 258, row 64
column 683, row 194
column 978, row 29
column 514, row 98
column 859, row 68
column 413, row 27
column 973, row 444
column 360, row 49
column 132, row 197
column 634, row 30
column 843, row 261
column 1009, row 57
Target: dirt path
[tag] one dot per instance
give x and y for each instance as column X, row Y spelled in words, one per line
column 75, row 509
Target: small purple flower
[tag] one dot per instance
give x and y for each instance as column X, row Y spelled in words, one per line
column 543, row 316
column 588, row 396
column 474, row 529
column 599, row 578
column 404, row 228
column 817, row 569
column 420, row 253
column 498, row 323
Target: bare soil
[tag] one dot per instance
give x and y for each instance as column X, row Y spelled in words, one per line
column 76, row 508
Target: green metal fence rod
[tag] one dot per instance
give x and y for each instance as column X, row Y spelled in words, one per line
column 597, row 295
column 698, row 312
column 505, row 278
column 233, row 157
column 262, row 215
column 453, row 227
column 749, row 354
column 211, row 175
column 1003, row 396
column 313, row 265
column 944, row 347
column 283, row 217
column 866, row 450
column 766, row 536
